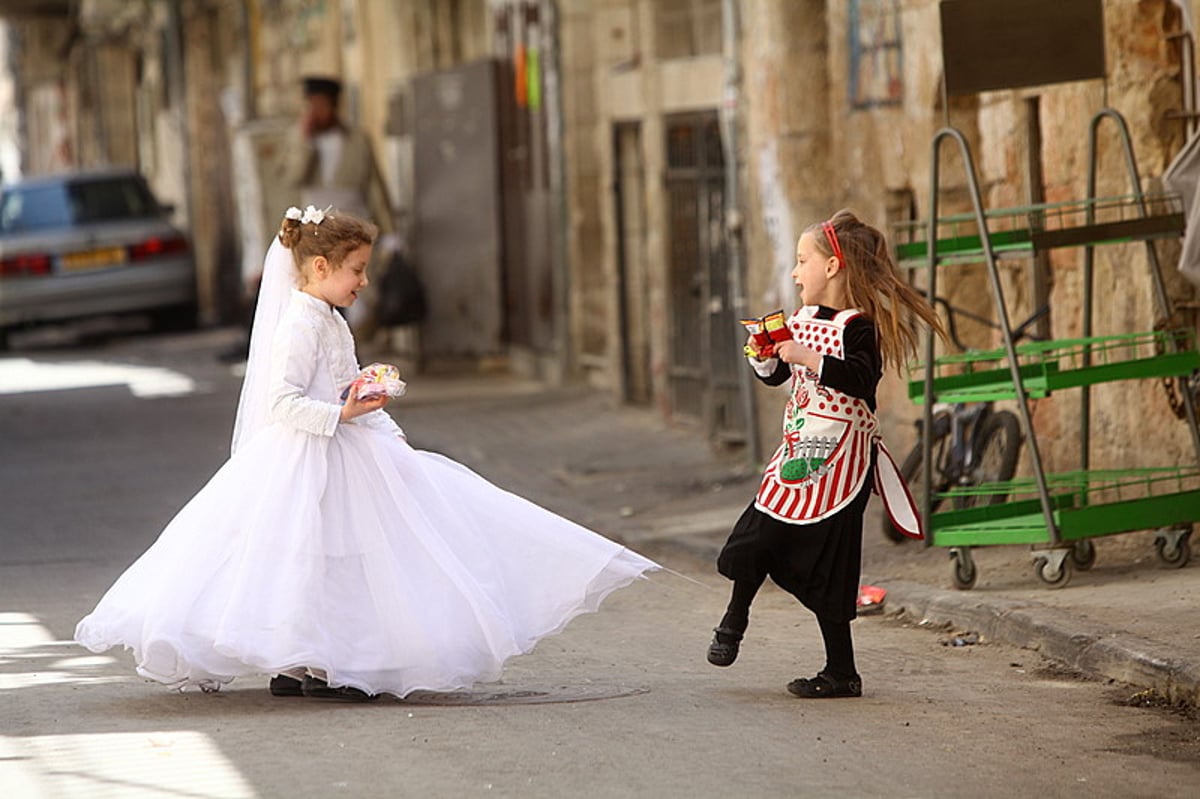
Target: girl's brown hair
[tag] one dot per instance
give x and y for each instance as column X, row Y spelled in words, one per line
column 874, row 286
column 334, row 237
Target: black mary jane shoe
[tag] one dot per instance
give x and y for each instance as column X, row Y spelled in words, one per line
column 824, row 686
column 283, row 685
column 724, row 647
column 316, row 688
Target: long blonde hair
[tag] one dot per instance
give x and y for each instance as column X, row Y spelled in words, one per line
column 875, row 287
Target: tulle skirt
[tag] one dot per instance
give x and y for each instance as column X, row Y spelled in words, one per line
column 390, row 569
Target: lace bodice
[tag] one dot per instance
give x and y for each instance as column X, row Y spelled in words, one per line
column 312, row 362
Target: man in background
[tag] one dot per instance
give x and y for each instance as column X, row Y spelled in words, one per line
column 325, row 162
column 329, row 163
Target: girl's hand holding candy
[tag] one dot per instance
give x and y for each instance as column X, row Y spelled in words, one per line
column 371, row 390
column 792, row 352
column 355, row 407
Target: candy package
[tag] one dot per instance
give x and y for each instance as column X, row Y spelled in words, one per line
column 376, row 380
column 765, row 333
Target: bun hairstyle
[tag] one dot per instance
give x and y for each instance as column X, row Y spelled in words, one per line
column 333, row 235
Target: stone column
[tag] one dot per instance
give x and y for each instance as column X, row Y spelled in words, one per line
column 789, row 176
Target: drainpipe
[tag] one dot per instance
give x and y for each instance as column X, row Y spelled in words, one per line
column 731, row 53
column 247, row 15
column 552, row 100
column 177, row 91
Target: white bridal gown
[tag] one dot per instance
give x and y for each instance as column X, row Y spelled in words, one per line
column 337, row 546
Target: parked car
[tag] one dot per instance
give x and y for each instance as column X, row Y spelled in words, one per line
column 91, row 243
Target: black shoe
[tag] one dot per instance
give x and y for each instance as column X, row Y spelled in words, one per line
column 824, row 686
column 724, row 647
column 317, row 688
column 283, row 685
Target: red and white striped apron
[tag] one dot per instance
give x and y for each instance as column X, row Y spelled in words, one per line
column 826, row 451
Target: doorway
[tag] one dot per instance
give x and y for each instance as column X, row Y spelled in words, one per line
column 705, row 338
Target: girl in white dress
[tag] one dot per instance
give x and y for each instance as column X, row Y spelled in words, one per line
column 327, row 551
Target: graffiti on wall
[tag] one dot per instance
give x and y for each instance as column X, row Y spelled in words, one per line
column 875, row 53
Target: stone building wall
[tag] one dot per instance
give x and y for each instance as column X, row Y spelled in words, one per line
column 375, row 49
column 627, row 68
column 876, row 160
column 814, row 136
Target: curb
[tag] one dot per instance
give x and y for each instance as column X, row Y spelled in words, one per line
column 1068, row 639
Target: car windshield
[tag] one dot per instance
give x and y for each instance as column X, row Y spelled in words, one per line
column 58, row 205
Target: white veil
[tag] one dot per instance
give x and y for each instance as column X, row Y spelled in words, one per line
column 279, row 280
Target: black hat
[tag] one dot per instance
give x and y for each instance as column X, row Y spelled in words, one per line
column 326, row 86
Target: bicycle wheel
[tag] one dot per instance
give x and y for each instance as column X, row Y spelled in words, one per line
column 913, row 472
column 997, row 447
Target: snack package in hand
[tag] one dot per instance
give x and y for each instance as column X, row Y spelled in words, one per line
column 765, row 333
column 376, row 380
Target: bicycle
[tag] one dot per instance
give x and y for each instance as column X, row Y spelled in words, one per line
column 973, row 443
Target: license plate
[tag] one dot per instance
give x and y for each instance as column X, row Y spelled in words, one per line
column 93, row 259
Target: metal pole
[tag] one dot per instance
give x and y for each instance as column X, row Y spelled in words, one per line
column 931, row 293
column 248, row 17
column 551, row 76
column 731, row 52
column 1035, row 456
column 177, row 92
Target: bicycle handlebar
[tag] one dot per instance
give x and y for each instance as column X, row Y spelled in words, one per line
column 1019, row 332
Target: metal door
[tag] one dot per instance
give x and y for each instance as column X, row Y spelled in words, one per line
column 705, row 344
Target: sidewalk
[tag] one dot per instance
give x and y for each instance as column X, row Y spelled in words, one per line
column 622, row 471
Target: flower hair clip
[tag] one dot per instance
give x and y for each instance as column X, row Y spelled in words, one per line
column 309, row 215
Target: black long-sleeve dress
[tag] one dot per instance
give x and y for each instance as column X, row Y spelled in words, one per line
column 819, row 562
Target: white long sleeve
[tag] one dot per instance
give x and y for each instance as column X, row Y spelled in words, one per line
column 764, row 368
column 294, row 364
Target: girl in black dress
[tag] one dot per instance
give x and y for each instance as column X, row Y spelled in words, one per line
column 804, row 527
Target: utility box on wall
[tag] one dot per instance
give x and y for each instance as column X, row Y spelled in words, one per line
column 1007, row 44
column 457, row 233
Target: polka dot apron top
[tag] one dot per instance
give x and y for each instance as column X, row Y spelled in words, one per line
column 823, row 460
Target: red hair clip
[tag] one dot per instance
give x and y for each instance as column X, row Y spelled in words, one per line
column 831, row 237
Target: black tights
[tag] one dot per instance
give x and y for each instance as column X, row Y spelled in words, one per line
column 839, row 649
column 839, row 646
column 737, row 615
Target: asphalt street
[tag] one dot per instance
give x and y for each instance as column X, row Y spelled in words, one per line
column 103, row 443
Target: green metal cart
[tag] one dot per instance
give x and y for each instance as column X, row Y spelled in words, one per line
column 1057, row 514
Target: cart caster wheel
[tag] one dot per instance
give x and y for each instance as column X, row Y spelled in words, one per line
column 1083, row 555
column 1174, row 546
column 964, row 571
column 1054, row 567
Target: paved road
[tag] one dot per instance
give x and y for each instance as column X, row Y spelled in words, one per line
column 621, row 704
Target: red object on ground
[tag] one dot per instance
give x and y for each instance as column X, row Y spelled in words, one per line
column 870, row 598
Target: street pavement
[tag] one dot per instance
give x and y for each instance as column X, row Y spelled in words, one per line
column 1009, row 689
